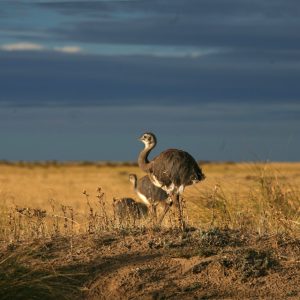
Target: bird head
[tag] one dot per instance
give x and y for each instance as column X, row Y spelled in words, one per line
column 132, row 178
column 149, row 139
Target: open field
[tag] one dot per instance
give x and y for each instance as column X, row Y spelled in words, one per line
column 232, row 189
column 56, row 241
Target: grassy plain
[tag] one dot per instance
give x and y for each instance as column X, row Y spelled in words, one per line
column 235, row 189
column 56, row 241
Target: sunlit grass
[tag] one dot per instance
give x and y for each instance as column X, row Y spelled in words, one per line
column 49, row 206
column 262, row 197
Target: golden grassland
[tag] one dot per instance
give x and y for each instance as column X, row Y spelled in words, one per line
column 57, row 222
column 232, row 194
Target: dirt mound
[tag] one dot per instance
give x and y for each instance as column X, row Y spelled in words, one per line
column 174, row 266
column 168, row 264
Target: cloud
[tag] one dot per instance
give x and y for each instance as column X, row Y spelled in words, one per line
column 260, row 26
column 23, row 46
column 119, row 50
column 255, row 25
column 169, row 51
column 68, row 49
column 100, row 80
column 23, row 33
column 206, row 70
column 151, row 50
column 203, row 130
column 178, row 52
column 27, row 46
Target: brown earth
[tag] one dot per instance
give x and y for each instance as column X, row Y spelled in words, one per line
column 157, row 264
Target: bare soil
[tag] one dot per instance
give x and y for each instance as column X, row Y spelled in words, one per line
column 158, row 264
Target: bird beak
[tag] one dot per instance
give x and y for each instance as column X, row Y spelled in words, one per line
column 140, row 138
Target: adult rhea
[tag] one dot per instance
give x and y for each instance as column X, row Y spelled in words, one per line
column 172, row 170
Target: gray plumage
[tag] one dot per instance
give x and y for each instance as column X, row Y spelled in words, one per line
column 175, row 167
column 128, row 207
column 147, row 191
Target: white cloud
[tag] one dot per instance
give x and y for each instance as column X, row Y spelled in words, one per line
column 25, row 46
column 118, row 50
column 68, row 49
column 182, row 54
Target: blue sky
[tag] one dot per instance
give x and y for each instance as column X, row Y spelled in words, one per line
column 81, row 80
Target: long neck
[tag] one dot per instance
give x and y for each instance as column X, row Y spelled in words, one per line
column 134, row 182
column 143, row 161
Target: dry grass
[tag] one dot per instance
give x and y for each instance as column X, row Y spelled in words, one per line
column 40, row 200
column 44, row 202
column 23, row 276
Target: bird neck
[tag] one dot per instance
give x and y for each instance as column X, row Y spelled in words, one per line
column 134, row 183
column 143, row 161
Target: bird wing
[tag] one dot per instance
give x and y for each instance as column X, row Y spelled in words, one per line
column 147, row 188
column 176, row 167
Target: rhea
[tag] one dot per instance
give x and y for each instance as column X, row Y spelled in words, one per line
column 172, row 170
column 149, row 193
column 128, row 208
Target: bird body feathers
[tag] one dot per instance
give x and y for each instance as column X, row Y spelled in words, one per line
column 125, row 207
column 174, row 168
column 147, row 191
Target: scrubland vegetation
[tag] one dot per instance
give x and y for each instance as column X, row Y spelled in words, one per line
column 62, row 238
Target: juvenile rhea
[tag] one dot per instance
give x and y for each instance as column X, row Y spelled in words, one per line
column 129, row 208
column 149, row 193
column 172, row 170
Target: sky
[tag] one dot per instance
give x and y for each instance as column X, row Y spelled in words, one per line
column 82, row 80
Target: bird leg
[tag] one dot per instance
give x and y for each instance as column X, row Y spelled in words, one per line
column 153, row 212
column 168, row 204
column 178, row 203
